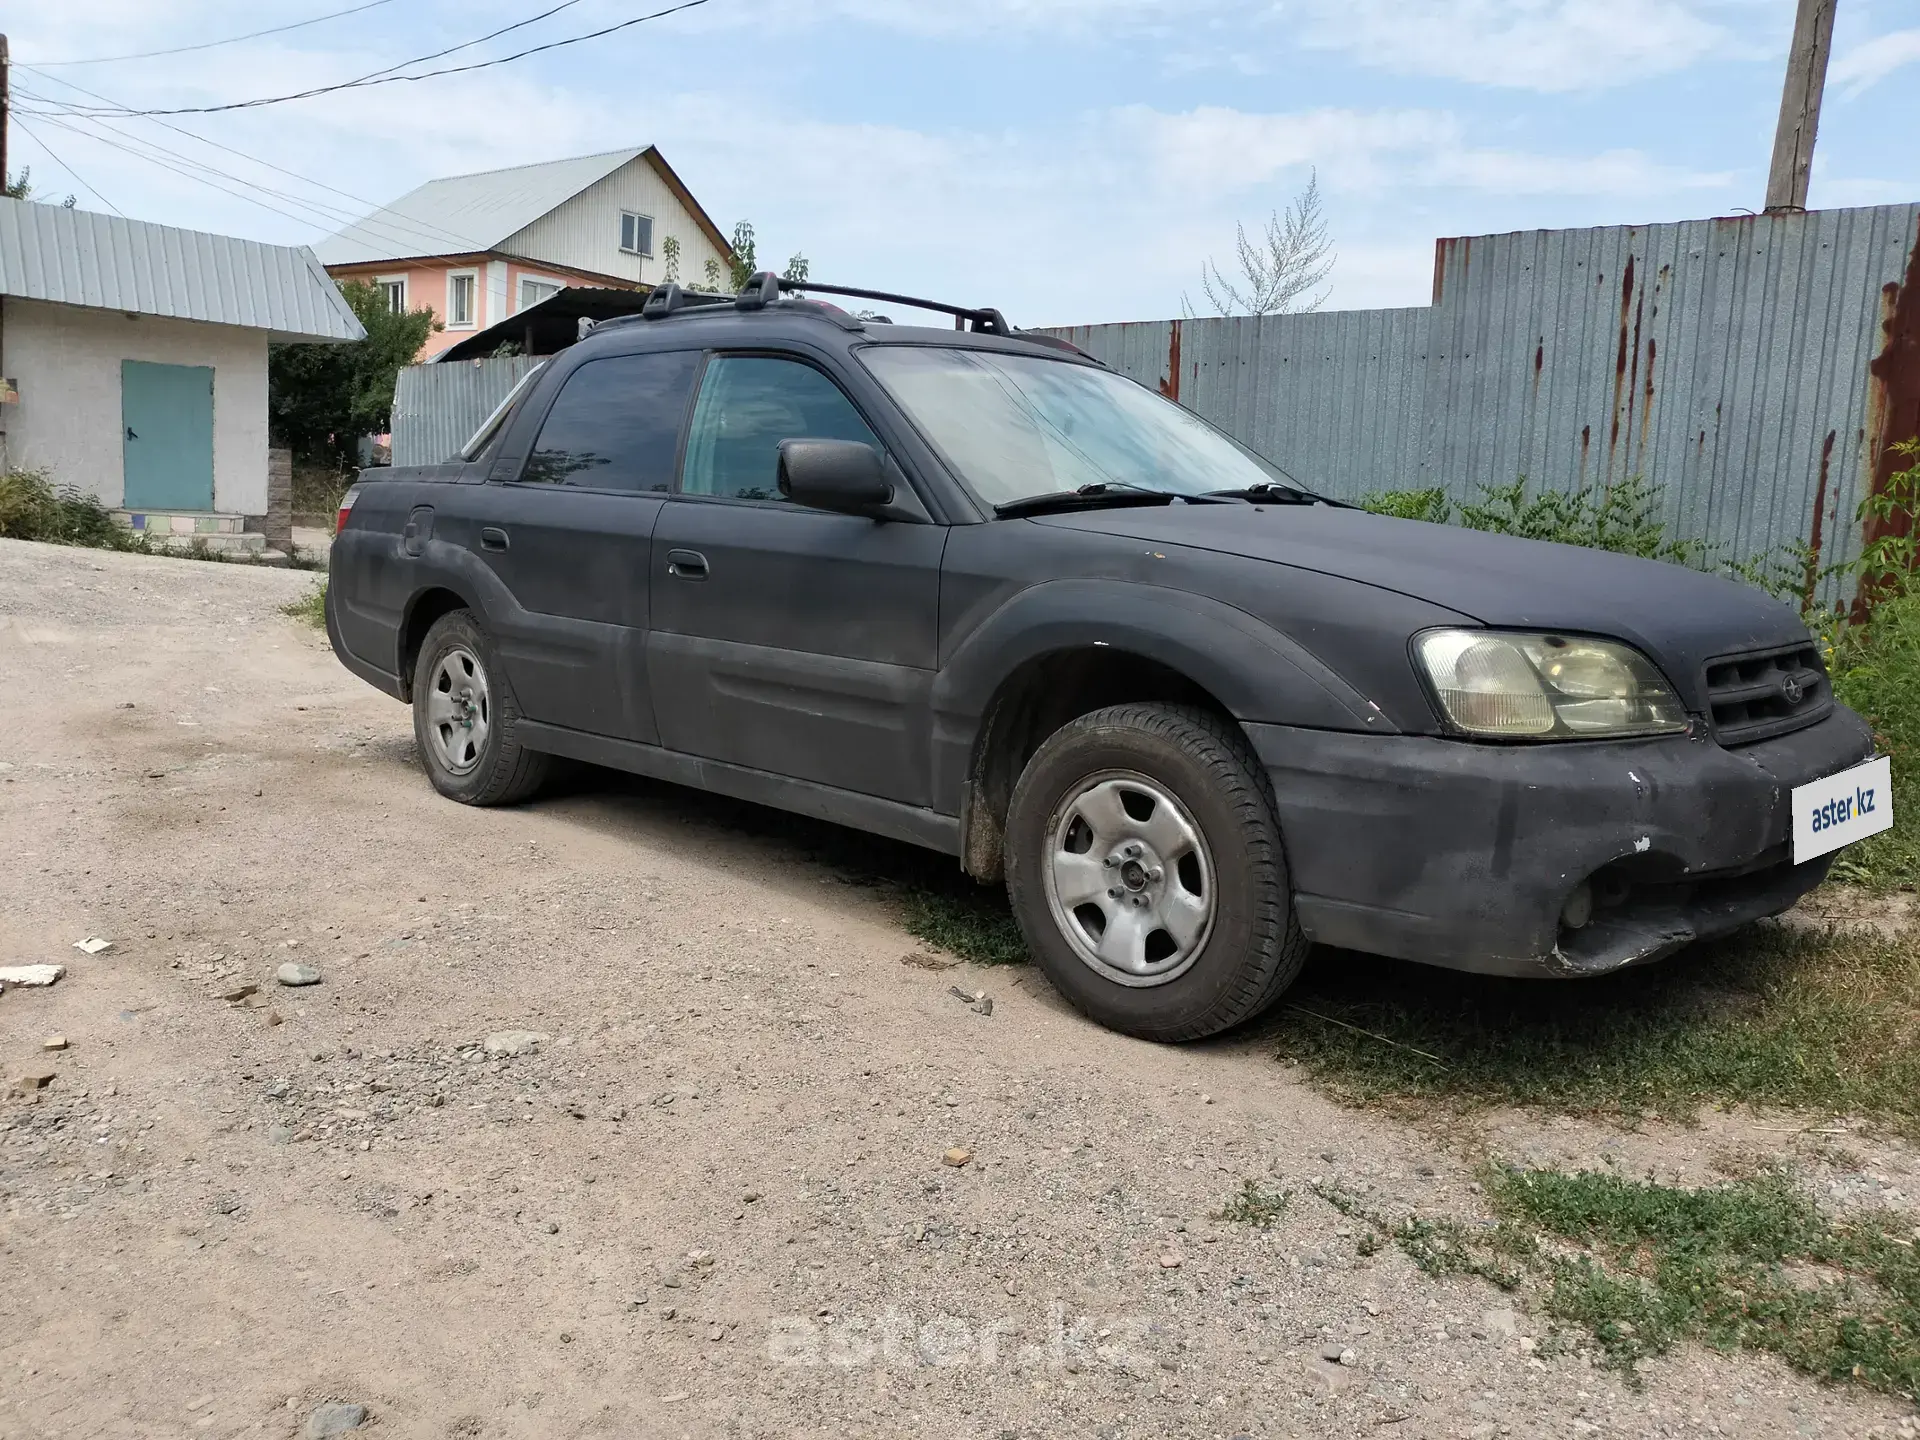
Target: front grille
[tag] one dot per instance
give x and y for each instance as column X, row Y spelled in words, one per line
column 1766, row 692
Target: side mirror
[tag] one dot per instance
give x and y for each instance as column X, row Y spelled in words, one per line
column 839, row 475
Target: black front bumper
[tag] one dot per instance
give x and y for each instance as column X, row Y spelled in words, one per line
column 1466, row 855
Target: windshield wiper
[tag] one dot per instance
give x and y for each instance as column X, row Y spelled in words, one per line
column 1268, row 492
column 1087, row 497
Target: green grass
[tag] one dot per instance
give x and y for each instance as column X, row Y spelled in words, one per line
column 1255, row 1205
column 1639, row 1267
column 311, row 607
column 1439, row 1247
column 1768, row 1017
column 1750, row 1264
column 965, row 919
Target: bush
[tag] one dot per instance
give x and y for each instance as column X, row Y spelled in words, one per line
column 33, row 508
column 1873, row 656
column 1623, row 517
column 1429, row 505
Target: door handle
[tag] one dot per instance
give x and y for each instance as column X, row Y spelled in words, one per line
column 492, row 537
column 687, row 564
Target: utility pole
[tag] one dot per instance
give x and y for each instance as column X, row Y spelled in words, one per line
column 6, row 109
column 1800, row 107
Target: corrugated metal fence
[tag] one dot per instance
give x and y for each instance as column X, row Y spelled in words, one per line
column 1754, row 368
column 436, row 408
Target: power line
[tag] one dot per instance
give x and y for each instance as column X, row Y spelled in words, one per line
column 214, row 44
column 66, row 167
column 187, row 174
column 141, row 149
column 378, row 229
column 405, row 231
column 385, row 77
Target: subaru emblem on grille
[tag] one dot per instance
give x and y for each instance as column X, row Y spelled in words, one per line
column 1790, row 689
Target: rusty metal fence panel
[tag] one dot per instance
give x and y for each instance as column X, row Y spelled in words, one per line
column 1335, row 399
column 436, row 408
column 1756, row 369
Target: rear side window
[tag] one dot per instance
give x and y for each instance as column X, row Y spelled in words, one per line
column 748, row 405
column 616, row 424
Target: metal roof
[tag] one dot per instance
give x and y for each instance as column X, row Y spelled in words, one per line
column 464, row 214
column 77, row 257
column 552, row 325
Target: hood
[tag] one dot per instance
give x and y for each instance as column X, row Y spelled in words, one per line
column 1680, row 618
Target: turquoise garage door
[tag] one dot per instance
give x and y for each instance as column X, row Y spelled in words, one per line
column 167, row 412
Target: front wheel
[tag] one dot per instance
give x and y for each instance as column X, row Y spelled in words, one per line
column 1146, row 872
column 465, row 720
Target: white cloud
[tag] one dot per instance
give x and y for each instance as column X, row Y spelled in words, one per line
column 1867, row 64
column 1544, row 45
column 1105, row 216
column 1218, row 151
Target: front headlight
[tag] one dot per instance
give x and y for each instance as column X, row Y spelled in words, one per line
column 1546, row 686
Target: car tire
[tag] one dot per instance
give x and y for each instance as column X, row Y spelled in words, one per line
column 465, row 721
column 1191, row 932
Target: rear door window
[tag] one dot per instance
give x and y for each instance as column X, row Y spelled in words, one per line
column 750, row 403
column 616, row 424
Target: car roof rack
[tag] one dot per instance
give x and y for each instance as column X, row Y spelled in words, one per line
column 764, row 289
column 981, row 319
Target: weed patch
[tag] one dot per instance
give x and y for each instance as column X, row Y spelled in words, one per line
column 310, row 608
column 1771, row 1016
column 1255, row 1205
column 33, row 508
column 1750, row 1264
column 969, row 920
column 1639, row 1267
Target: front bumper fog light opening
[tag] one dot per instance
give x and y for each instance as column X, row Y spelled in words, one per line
column 1578, row 910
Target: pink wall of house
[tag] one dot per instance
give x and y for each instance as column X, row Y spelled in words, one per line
column 497, row 292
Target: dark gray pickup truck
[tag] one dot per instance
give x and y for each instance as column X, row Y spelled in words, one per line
column 971, row 589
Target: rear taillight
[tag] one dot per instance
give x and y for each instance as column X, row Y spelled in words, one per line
column 346, row 508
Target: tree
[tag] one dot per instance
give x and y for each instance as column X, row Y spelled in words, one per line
column 19, row 186
column 1278, row 275
column 322, row 398
column 746, row 262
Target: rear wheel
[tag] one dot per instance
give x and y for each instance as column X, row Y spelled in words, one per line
column 465, row 720
column 1146, row 872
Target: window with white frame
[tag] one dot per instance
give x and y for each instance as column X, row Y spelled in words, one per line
column 533, row 291
column 461, row 285
column 393, row 290
column 636, row 233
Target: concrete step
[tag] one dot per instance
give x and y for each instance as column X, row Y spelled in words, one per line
column 181, row 522
column 250, row 543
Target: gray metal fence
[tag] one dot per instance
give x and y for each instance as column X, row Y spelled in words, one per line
column 1756, row 369
column 436, row 408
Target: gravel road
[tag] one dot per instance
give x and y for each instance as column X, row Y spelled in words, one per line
column 714, row 1198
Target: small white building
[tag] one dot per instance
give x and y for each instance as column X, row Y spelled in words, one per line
column 135, row 359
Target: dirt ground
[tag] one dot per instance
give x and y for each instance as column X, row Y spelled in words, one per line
column 712, row 1201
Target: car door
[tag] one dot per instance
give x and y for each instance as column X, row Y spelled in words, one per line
column 786, row 639
column 569, row 530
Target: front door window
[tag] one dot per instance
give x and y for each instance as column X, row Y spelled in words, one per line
column 750, row 403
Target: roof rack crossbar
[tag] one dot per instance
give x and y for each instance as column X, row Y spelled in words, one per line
column 982, row 319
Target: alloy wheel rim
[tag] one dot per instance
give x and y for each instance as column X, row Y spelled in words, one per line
column 459, row 710
column 1129, row 879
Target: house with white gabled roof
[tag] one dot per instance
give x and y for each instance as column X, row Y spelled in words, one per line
column 476, row 249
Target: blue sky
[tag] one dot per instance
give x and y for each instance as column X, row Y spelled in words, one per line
column 1067, row 160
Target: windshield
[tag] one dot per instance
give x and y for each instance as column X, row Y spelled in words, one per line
column 1017, row 426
